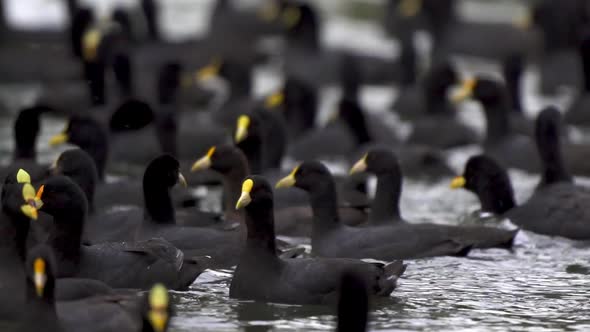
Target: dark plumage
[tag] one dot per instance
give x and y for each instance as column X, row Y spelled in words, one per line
column 330, row 238
column 578, row 114
column 182, row 134
column 510, row 148
column 25, row 133
column 91, row 136
column 351, row 129
column 13, row 248
column 261, row 135
column 561, row 25
column 433, row 116
column 261, row 275
column 385, row 208
column 99, row 313
column 299, row 107
column 238, row 76
column 513, row 68
column 453, row 35
column 159, row 219
column 306, row 60
column 353, row 304
column 40, row 291
column 66, row 203
column 557, row 208
column 19, row 62
column 294, row 220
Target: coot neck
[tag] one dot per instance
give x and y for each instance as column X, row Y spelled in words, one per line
column 252, row 148
column 498, row 200
column 554, row 168
column 167, row 129
column 355, row 119
column 98, row 150
column 513, row 86
column 123, row 74
column 259, row 220
column 25, row 152
column 158, row 206
column 498, row 122
column 585, row 53
column 95, row 75
column 408, row 61
column 150, row 11
column 66, row 240
column 240, row 81
column 323, row 198
column 13, row 237
column 305, row 34
column 436, row 99
column 385, row 205
column 232, row 187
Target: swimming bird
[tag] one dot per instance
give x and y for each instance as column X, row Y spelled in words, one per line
column 237, row 74
column 351, row 129
column 92, row 136
column 330, row 238
column 453, row 35
column 66, row 203
column 160, row 175
column 262, row 276
column 562, row 25
column 432, row 114
column 510, row 148
column 557, row 206
column 92, row 314
column 385, row 209
column 293, row 220
column 297, row 102
column 25, row 133
column 13, row 246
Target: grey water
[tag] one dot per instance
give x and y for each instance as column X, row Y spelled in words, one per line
column 543, row 284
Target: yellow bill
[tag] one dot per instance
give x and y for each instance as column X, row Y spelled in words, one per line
column 90, row 43
column 458, row 182
column 360, row 166
column 204, row 162
column 465, row 91
column 242, row 128
column 274, row 100
column 59, row 139
column 209, row 71
column 289, row 180
column 245, row 197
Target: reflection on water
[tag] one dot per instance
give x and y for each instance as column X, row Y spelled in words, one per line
column 542, row 285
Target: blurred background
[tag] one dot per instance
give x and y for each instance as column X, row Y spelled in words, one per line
column 541, row 286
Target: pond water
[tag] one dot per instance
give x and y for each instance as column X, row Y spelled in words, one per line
column 541, row 285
